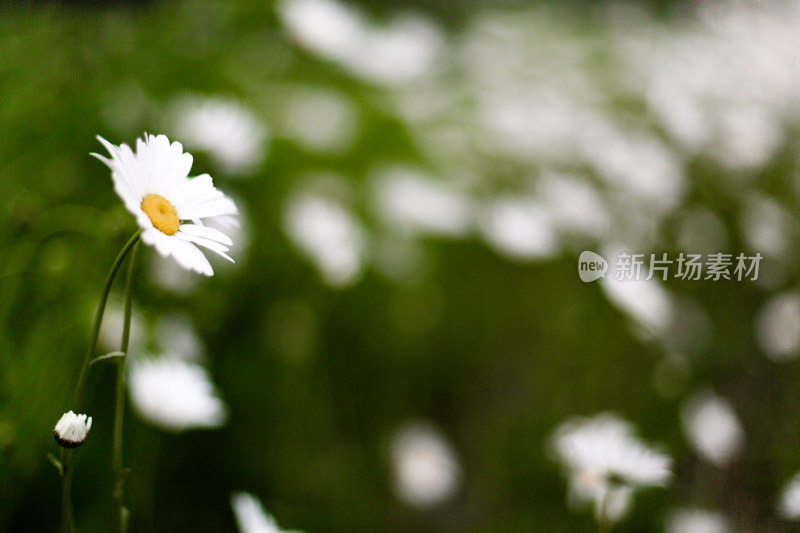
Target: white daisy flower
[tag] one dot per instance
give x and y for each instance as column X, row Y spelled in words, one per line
column 154, row 185
column 697, row 521
column 250, row 515
column 174, row 395
column 712, row 428
column 789, row 506
column 426, row 469
column 71, row 430
column 605, row 462
column 232, row 134
column 327, row 233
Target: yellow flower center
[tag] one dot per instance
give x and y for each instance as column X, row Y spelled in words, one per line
column 162, row 214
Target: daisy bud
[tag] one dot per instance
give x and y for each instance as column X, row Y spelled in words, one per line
column 71, row 430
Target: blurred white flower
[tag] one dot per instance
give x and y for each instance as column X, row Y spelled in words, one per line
column 155, row 187
column 696, row 521
column 519, row 228
column 575, row 204
column 528, row 93
column 173, row 394
column 71, row 430
column 224, row 128
column 789, row 506
column 251, row 517
column 397, row 53
column 426, row 469
column 321, row 120
column 778, row 326
column 635, row 164
column 767, row 227
column 412, row 202
column 605, row 462
column 718, row 83
column 327, row 27
column 747, row 136
column 712, row 428
column 328, row 235
column 645, row 301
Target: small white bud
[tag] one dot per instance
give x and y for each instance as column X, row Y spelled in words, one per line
column 71, row 430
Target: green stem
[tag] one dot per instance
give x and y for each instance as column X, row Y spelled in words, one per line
column 67, row 516
column 119, row 408
column 98, row 318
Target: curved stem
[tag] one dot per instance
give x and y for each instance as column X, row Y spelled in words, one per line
column 119, row 408
column 67, row 516
column 98, row 318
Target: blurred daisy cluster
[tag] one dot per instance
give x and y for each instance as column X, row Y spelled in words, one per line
column 403, row 342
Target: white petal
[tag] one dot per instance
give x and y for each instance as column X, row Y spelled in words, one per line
column 158, row 240
column 125, row 183
column 207, row 233
column 189, row 256
column 227, row 221
column 199, row 199
column 210, row 245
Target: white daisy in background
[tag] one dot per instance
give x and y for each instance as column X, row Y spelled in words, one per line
column 712, row 428
column 789, row 506
column 328, row 234
column 413, row 202
column 399, row 52
column 605, row 463
column 250, row 515
column 519, row 228
column 426, row 469
column 174, row 395
column 646, row 302
column 154, row 185
column 232, row 134
column 696, row 521
column 71, row 430
column 321, row 120
column 776, row 326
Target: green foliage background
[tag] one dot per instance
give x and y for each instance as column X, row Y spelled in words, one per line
column 495, row 352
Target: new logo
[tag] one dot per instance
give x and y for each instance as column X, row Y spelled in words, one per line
column 591, row 266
